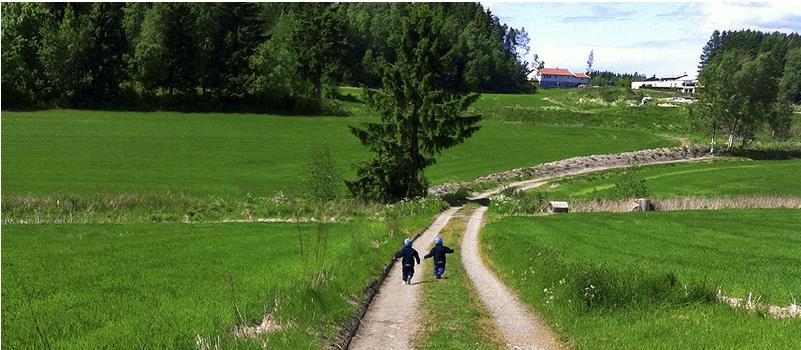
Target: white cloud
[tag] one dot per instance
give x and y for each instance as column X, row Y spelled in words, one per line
column 663, row 38
column 766, row 16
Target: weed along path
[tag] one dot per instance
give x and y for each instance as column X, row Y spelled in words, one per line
column 520, row 328
column 393, row 317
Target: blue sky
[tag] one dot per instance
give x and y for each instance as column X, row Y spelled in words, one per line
column 650, row 38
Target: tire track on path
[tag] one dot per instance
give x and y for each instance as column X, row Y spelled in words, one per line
column 521, row 328
column 393, row 317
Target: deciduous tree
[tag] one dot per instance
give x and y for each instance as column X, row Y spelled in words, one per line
column 23, row 77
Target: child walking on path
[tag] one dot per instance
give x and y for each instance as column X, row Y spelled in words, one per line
column 409, row 256
column 438, row 252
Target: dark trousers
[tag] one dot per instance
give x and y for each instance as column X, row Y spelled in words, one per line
column 408, row 272
column 439, row 269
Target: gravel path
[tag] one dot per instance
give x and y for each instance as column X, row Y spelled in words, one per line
column 536, row 182
column 393, row 318
column 520, row 328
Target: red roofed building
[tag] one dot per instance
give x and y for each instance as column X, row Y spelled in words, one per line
column 554, row 78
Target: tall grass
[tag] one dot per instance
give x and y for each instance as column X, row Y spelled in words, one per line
column 511, row 201
column 178, row 208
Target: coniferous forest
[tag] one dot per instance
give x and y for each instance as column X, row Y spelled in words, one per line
column 258, row 57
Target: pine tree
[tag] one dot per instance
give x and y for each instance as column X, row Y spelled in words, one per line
column 320, row 44
column 418, row 120
column 712, row 47
column 590, row 61
column 105, row 56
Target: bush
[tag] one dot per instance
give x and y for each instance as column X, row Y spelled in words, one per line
column 630, row 186
column 513, row 202
column 456, row 198
column 393, row 214
column 323, row 180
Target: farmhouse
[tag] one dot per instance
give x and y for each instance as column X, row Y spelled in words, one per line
column 554, row 78
column 682, row 83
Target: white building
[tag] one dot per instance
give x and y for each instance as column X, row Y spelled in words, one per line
column 683, row 83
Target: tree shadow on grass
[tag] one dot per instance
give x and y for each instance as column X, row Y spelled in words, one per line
column 766, row 154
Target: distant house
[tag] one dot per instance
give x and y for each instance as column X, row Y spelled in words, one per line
column 682, row 83
column 554, row 78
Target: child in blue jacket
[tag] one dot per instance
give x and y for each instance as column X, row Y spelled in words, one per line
column 438, row 253
column 409, row 256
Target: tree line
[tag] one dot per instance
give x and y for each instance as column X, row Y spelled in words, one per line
column 607, row 78
column 750, row 80
column 242, row 56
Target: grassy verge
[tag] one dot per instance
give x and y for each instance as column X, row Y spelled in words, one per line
column 164, row 285
column 71, row 152
column 722, row 178
column 644, row 280
column 454, row 317
column 169, row 208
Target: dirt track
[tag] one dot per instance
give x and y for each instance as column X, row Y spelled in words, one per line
column 537, row 182
column 520, row 328
column 393, row 318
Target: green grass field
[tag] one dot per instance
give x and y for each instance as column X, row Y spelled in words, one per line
column 589, row 108
column 161, row 285
column 720, row 178
column 88, row 152
column 141, row 285
column 644, row 280
column 453, row 315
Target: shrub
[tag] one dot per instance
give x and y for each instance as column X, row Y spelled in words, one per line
column 513, row 202
column 456, row 198
column 630, row 186
column 323, row 179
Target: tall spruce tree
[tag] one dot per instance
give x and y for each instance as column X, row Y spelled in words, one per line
column 106, row 63
column 418, row 120
column 320, row 44
column 590, row 61
column 712, row 47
